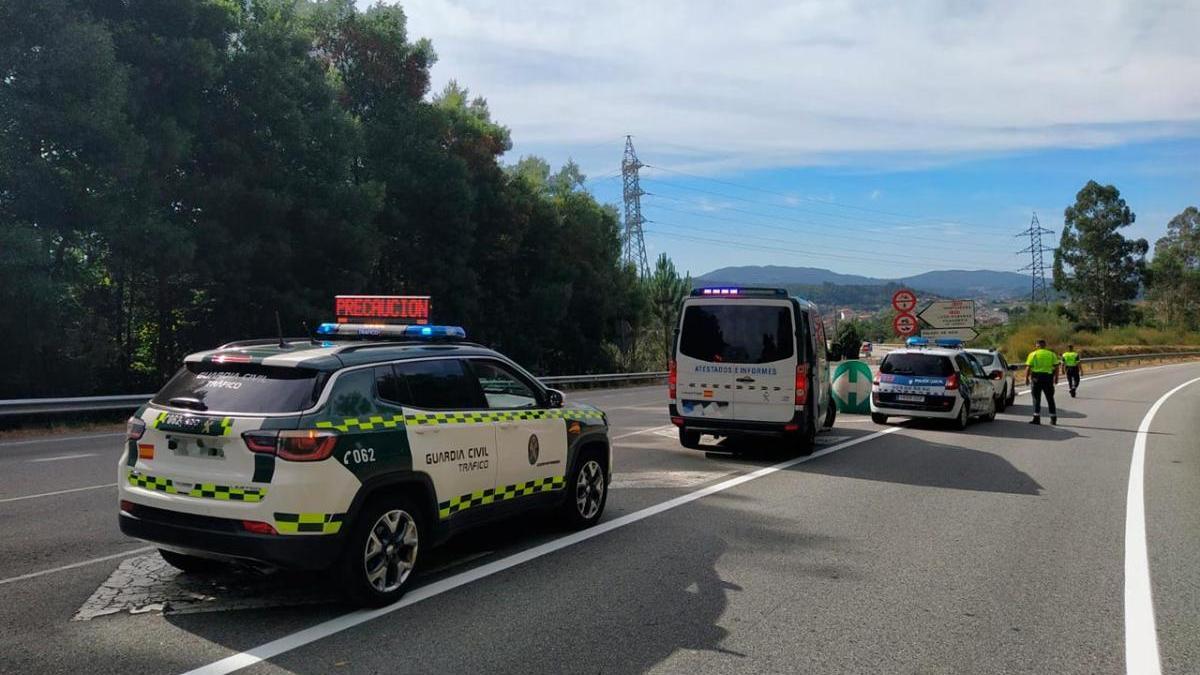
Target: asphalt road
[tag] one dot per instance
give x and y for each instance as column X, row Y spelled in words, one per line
column 999, row 549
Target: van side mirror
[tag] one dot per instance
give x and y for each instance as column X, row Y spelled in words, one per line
column 555, row 398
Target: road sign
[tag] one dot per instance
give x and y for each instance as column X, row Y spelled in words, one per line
column 904, row 301
column 852, row 387
column 964, row 334
column 949, row 314
column 904, row 324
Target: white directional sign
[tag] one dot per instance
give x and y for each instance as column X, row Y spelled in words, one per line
column 949, row 314
column 964, row 334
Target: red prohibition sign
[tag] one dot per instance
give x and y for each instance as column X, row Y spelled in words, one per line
column 904, row 324
column 904, row 300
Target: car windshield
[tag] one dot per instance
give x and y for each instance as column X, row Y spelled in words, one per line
column 985, row 359
column 243, row 388
column 929, row 365
column 737, row 333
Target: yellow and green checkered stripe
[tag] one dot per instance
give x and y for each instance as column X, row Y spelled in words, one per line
column 199, row 490
column 373, row 422
column 490, row 496
column 210, row 427
column 311, row 523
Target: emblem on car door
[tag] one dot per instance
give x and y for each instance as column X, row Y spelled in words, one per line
column 534, row 449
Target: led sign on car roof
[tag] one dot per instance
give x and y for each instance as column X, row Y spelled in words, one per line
column 408, row 309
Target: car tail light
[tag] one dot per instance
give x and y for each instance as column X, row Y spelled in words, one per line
column 876, row 380
column 997, row 375
column 308, row 445
column 672, row 380
column 952, row 382
column 802, row 384
column 145, row 451
column 791, row 426
column 127, row 506
column 258, row 527
column 135, row 428
column 261, row 441
column 677, row 421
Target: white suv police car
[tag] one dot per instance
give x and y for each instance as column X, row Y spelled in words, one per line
column 938, row 382
column 354, row 453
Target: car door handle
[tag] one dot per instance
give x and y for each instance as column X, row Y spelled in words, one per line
column 508, row 425
column 426, row 430
column 745, row 379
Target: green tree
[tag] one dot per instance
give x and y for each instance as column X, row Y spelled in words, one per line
column 1173, row 277
column 848, row 339
column 666, row 291
column 1099, row 269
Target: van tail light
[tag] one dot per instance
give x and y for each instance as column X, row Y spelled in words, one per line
column 952, row 382
column 135, row 428
column 304, row 445
column 308, row 445
column 802, row 384
column 261, row 441
column 672, row 380
column 677, row 421
column 258, row 527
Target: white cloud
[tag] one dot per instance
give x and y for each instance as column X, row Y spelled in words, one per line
column 717, row 84
column 875, row 195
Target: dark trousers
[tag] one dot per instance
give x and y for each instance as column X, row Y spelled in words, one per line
column 1043, row 383
column 1072, row 377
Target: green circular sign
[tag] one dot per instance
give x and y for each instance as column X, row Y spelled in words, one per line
column 852, row 387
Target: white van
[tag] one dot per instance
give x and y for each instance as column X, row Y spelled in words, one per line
column 750, row 362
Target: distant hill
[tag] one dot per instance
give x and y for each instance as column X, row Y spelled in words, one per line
column 947, row 283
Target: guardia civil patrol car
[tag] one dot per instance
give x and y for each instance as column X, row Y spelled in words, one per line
column 352, row 452
column 936, row 381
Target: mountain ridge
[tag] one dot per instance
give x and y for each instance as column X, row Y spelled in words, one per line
column 953, row 282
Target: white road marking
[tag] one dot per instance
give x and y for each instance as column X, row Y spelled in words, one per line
column 351, row 619
column 61, row 457
column 664, row 479
column 1141, row 639
column 56, row 492
column 72, row 566
column 649, row 430
column 1100, row 377
column 62, row 439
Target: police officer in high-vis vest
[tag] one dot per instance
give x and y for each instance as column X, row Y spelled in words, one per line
column 1070, row 360
column 1042, row 368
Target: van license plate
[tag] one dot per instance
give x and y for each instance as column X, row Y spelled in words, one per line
column 910, row 398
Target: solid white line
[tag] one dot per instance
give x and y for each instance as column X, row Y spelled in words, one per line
column 649, row 430
column 56, row 492
column 1141, row 638
column 62, row 439
column 60, row 457
column 72, row 566
column 352, row 619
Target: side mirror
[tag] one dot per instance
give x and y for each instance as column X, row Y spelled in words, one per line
column 1014, row 367
column 555, row 397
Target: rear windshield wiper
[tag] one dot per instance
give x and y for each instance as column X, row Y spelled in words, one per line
column 187, row 402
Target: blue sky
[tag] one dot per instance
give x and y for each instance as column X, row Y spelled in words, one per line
column 869, row 138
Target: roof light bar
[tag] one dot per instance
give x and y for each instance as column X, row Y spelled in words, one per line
column 737, row 291
column 949, row 343
column 375, row 330
column 917, row 342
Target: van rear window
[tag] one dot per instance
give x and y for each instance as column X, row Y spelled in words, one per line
column 737, row 333
column 242, row 388
column 928, row 365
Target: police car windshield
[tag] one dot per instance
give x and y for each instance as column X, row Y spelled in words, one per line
column 242, row 388
column 928, row 365
column 737, row 333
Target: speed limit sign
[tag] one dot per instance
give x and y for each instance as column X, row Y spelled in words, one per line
column 905, row 324
column 904, row 301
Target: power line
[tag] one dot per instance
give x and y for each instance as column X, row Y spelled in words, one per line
column 1036, row 266
column 633, row 243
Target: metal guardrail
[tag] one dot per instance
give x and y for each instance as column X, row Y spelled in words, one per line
column 83, row 404
column 1129, row 357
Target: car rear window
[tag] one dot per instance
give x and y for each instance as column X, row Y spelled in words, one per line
column 928, row 365
column 737, row 333
column 984, row 360
column 242, row 388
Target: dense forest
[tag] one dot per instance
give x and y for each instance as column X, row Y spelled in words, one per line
column 173, row 173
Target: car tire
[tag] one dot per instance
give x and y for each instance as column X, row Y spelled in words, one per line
column 964, row 416
column 878, row 418
column 805, row 441
column 998, row 402
column 991, row 415
column 831, row 416
column 689, row 439
column 191, row 564
column 1012, row 395
column 587, row 491
column 382, row 551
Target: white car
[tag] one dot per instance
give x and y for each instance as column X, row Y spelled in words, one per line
column 1004, row 382
column 942, row 382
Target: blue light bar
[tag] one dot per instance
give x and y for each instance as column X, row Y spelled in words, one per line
column 373, row 330
column 917, row 342
column 949, row 343
column 736, row 291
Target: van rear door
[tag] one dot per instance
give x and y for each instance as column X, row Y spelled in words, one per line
column 737, row 359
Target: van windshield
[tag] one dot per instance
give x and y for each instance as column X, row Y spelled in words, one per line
column 248, row 388
column 737, row 333
column 928, row 365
